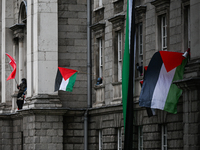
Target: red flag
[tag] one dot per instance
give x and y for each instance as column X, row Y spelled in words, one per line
column 14, row 66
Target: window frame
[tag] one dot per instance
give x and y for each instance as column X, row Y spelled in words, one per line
column 140, row 138
column 189, row 27
column 140, row 42
column 119, row 53
column 163, row 35
column 164, row 137
column 100, row 57
column 119, row 139
column 100, row 140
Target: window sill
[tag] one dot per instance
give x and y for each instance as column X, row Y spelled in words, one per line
column 98, row 8
column 96, row 87
column 139, row 78
column 114, row 1
column 116, row 83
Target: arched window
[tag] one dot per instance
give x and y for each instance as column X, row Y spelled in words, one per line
column 22, row 12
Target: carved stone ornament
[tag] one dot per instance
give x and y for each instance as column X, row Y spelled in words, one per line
column 98, row 29
column 18, row 30
column 140, row 12
column 117, row 20
column 161, row 5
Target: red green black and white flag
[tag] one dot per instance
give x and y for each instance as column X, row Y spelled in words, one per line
column 65, row 79
column 158, row 90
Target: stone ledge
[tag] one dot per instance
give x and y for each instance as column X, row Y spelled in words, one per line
column 105, row 109
column 188, row 83
column 43, row 101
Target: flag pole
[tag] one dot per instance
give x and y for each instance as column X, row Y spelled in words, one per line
column 128, row 140
column 11, row 71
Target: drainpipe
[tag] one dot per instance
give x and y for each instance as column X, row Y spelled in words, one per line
column 88, row 76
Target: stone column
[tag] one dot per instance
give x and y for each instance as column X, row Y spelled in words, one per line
column 21, row 58
column 45, row 49
column 29, row 25
column 14, row 94
column 6, row 47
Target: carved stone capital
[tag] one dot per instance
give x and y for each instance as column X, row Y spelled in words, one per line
column 18, row 31
column 20, row 37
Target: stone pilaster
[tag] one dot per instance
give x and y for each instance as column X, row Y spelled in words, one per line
column 6, row 47
column 45, row 50
column 42, row 53
column 29, row 25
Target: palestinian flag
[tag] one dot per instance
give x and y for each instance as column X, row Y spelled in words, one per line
column 14, row 66
column 158, row 90
column 65, row 79
column 128, row 75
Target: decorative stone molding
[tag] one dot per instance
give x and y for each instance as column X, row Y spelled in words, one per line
column 161, row 5
column 98, row 29
column 140, row 10
column 18, row 30
column 100, row 100
column 99, row 8
column 117, row 21
column 43, row 100
column 114, row 1
column 191, row 79
column 42, row 111
column 189, row 83
column 117, row 93
column 186, row 2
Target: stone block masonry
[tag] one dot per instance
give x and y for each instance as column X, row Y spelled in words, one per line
column 72, row 48
column 43, row 131
column 73, row 136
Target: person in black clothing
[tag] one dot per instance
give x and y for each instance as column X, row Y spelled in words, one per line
column 20, row 96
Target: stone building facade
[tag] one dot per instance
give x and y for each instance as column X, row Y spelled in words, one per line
column 44, row 34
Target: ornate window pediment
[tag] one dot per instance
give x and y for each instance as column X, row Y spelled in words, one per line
column 140, row 10
column 186, row 2
column 161, row 6
column 117, row 21
column 98, row 29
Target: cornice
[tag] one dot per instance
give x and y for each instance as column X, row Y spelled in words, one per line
column 98, row 26
column 141, row 9
column 117, row 18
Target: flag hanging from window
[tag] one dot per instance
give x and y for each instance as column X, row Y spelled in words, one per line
column 158, row 90
column 14, row 66
column 128, row 76
column 65, row 79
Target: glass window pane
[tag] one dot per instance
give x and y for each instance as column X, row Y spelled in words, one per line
column 163, row 31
